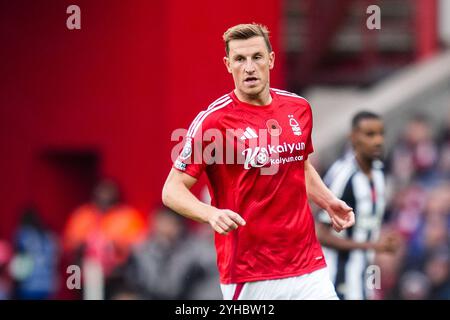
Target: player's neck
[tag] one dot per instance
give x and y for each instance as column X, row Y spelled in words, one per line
column 364, row 164
column 262, row 99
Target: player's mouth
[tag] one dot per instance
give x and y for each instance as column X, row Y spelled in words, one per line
column 251, row 81
column 377, row 152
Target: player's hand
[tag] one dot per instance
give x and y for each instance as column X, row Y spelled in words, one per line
column 341, row 215
column 223, row 220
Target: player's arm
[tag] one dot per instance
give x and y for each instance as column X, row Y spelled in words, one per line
column 327, row 238
column 341, row 214
column 177, row 196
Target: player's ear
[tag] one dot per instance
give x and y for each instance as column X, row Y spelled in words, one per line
column 271, row 60
column 226, row 61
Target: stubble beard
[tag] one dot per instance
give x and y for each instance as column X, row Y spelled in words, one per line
column 256, row 94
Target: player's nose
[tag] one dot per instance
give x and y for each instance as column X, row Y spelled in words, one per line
column 249, row 66
column 379, row 140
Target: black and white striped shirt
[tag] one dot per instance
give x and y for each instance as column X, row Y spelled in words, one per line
column 367, row 198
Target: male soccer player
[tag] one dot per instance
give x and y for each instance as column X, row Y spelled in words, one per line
column 265, row 236
column 358, row 179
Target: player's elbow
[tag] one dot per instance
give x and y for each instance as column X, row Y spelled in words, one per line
column 164, row 196
column 175, row 188
column 167, row 194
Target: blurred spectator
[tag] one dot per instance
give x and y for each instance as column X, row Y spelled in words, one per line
column 420, row 210
column 432, row 231
column 390, row 265
column 437, row 269
column 35, row 262
column 104, row 230
column 414, row 285
column 209, row 287
column 444, row 145
column 406, row 209
column 173, row 263
column 416, row 154
column 444, row 136
column 5, row 279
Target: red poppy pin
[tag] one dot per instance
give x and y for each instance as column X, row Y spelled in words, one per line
column 273, row 127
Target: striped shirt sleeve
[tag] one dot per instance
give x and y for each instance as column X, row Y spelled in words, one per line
column 191, row 159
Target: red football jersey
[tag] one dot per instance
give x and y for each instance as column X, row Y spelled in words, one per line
column 254, row 158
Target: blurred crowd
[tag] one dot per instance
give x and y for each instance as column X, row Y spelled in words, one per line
column 121, row 255
column 418, row 171
column 124, row 255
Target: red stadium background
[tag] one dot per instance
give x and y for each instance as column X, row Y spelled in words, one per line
column 103, row 100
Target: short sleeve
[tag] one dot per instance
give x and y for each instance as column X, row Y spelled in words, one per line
column 191, row 159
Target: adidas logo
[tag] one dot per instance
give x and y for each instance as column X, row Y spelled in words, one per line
column 249, row 133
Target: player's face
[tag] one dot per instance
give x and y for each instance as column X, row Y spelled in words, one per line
column 368, row 138
column 250, row 62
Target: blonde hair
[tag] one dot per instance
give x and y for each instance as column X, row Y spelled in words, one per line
column 246, row 31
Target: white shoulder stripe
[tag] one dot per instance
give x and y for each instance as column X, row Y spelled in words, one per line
column 212, row 105
column 284, row 91
column 292, row 95
column 288, row 94
column 219, row 100
column 205, row 114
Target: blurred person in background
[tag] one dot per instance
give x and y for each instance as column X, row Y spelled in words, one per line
column 34, row 267
column 433, row 228
column 405, row 210
column 413, row 285
column 420, row 209
column 437, row 269
column 444, row 149
column 358, row 179
column 444, row 135
column 173, row 263
column 428, row 246
column 416, row 154
column 390, row 264
column 103, row 230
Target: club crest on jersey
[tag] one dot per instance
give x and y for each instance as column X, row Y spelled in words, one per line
column 273, row 127
column 294, row 125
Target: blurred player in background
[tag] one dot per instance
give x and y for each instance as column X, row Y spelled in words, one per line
column 265, row 236
column 358, row 179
